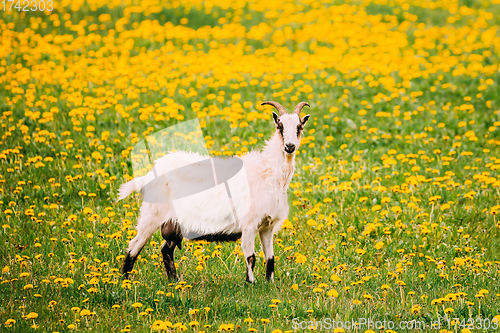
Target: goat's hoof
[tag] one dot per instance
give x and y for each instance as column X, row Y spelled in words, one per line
column 248, row 281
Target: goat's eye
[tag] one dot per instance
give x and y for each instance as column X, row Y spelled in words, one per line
column 280, row 128
column 299, row 129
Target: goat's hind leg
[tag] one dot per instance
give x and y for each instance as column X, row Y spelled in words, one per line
column 171, row 232
column 149, row 223
column 134, row 249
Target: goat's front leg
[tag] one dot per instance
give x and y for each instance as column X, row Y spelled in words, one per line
column 248, row 248
column 266, row 240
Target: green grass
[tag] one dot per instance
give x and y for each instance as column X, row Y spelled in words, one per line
column 422, row 254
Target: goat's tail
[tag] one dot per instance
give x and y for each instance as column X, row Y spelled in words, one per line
column 126, row 189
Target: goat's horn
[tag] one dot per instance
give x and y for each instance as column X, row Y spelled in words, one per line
column 278, row 107
column 299, row 107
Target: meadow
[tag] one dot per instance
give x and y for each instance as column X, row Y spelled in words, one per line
column 394, row 201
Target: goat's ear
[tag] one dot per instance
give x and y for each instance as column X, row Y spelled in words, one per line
column 304, row 120
column 275, row 117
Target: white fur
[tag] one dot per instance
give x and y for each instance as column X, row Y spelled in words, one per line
column 268, row 172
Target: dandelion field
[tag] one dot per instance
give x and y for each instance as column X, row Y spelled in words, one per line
column 393, row 207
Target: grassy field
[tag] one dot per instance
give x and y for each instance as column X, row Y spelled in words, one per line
column 395, row 198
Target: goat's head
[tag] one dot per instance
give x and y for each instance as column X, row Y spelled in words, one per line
column 289, row 126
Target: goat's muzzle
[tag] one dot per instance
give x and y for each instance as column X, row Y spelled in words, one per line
column 289, row 148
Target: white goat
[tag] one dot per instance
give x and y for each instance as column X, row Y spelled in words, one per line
column 206, row 215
